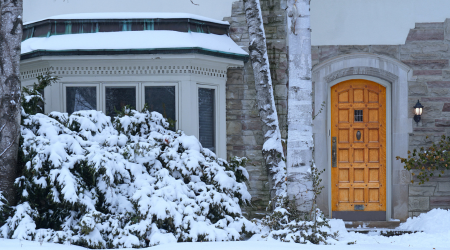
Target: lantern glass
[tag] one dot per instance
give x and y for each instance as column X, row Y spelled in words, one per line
column 418, row 111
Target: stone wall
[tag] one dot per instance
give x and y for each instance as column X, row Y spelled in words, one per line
column 244, row 135
column 434, row 193
column 426, row 52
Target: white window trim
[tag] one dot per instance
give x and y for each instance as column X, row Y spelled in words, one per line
column 72, row 84
column 216, row 113
column 124, row 85
column 164, row 84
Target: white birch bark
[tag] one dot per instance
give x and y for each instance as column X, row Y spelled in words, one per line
column 272, row 148
column 300, row 137
column 10, row 41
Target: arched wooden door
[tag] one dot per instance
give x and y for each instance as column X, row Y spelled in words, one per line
column 358, row 148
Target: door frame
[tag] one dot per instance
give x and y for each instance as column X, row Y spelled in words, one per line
column 387, row 85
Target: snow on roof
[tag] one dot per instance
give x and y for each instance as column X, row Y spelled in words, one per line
column 150, row 39
column 131, row 15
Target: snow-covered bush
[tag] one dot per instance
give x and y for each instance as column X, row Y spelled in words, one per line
column 287, row 224
column 126, row 183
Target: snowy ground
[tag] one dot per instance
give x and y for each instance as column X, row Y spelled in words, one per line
column 435, row 226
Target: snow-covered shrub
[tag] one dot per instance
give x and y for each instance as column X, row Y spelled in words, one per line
column 287, row 224
column 126, row 183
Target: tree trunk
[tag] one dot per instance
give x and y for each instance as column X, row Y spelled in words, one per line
column 272, row 148
column 10, row 41
column 300, row 139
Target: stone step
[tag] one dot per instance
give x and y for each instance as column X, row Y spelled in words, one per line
column 381, row 231
column 371, row 224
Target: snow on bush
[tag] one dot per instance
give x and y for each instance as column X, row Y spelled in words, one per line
column 434, row 221
column 128, row 183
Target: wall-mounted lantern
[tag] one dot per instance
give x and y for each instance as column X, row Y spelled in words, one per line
column 417, row 111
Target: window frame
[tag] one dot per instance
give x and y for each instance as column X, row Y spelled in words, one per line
column 64, row 90
column 163, row 84
column 216, row 89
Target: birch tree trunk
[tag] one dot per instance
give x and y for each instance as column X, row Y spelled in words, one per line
column 10, row 41
column 300, row 139
column 272, row 148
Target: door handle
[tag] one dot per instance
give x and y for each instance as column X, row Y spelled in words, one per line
column 333, row 153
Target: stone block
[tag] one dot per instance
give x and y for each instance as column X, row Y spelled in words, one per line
column 435, row 47
column 439, row 84
column 427, row 72
column 417, row 89
column 232, row 93
column 436, row 99
column 429, row 130
column 347, row 49
column 249, row 140
column 447, row 29
column 248, row 104
column 234, row 104
column 438, row 92
column 234, row 127
column 389, row 50
column 443, row 187
column 418, row 140
column 426, row 56
column 440, row 201
column 281, row 91
column 234, row 140
column 248, row 94
column 446, row 107
column 421, row 190
column 252, row 125
column 446, row 74
column 425, row 34
column 327, row 52
column 442, row 123
column 426, row 64
column 418, row 204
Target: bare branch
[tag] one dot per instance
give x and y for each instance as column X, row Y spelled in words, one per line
column 194, row 3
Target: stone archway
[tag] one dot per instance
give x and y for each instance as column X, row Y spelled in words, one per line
column 383, row 70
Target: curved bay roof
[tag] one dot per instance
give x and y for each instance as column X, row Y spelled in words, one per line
column 129, row 33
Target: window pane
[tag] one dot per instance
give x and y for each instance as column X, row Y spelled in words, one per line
column 81, row 98
column 206, row 118
column 162, row 100
column 119, row 97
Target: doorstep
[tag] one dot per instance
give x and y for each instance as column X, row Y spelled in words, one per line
column 372, row 224
column 383, row 228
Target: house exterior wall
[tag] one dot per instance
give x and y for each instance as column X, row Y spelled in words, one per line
column 186, row 72
column 426, row 54
column 420, row 63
